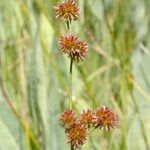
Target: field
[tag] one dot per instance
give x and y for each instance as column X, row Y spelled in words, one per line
column 34, row 74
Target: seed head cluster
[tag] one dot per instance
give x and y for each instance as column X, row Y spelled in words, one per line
column 77, row 128
column 73, row 47
column 67, row 10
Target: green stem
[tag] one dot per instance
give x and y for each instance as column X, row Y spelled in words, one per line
column 92, row 130
column 70, row 85
column 68, row 27
column 71, row 148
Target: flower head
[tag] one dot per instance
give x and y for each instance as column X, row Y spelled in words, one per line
column 73, row 47
column 67, row 10
column 77, row 135
column 67, row 118
column 105, row 118
column 86, row 118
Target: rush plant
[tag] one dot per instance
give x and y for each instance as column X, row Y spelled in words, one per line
column 77, row 128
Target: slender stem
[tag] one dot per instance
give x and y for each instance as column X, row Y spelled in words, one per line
column 68, row 27
column 71, row 65
column 22, row 89
column 92, row 130
column 130, row 80
column 71, row 148
column 70, row 85
column 9, row 103
column 11, row 106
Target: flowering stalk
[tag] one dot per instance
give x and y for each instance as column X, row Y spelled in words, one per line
column 70, row 80
column 76, row 49
column 78, row 128
column 70, row 88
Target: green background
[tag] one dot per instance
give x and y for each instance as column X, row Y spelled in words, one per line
column 35, row 74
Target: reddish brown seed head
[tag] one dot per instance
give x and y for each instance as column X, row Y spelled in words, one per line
column 86, row 118
column 105, row 118
column 77, row 135
column 67, row 10
column 73, row 47
column 67, row 118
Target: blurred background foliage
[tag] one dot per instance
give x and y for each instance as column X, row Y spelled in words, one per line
column 34, row 75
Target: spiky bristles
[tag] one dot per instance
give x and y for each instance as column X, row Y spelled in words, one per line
column 67, row 118
column 77, row 134
column 67, row 10
column 105, row 118
column 76, row 128
column 86, row 118
column 73, row 47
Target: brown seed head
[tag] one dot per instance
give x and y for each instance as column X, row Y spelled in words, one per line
column 67, row 10
column 67, row 118
column 77, row 135
column 105, row 118
column 73, row 47
column 86, row 118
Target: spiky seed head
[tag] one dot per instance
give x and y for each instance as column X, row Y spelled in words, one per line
column 67, row 118
column 105, row 118
column 67, row 10
column 77, row 134
column 73, row 47
column 86, row 118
